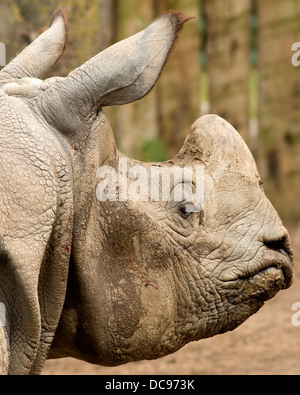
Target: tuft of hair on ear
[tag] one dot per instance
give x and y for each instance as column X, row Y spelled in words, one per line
column 61, row 12
column 179, row 20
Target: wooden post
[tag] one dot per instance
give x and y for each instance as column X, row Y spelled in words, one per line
column 229, row 61
column 135, row 123
column 179, row 87
column 279, row 104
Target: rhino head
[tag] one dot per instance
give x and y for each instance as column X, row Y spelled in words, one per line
column 88, row 268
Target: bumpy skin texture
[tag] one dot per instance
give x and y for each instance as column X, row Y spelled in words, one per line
column 4, row 352
column 36, row 224
column 114, row 282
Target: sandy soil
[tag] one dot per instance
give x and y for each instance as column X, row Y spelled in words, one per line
column 267, row 344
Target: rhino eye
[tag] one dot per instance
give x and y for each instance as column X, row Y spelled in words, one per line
column 184, row 212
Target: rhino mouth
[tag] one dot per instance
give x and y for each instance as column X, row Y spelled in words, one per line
column 277, row 267
column 263, row 283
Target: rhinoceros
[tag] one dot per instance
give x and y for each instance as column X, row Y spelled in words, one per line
column 115, row 280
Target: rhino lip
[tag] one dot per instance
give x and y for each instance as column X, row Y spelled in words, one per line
column 275, row 264
column 263, row 282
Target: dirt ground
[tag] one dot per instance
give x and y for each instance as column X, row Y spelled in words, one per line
column 267, row 344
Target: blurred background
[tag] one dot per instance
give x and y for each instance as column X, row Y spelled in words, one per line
column 234, row 60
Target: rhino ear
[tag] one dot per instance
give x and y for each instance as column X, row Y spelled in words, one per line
column 41, row 55
column 128, row 70
column 121, row 74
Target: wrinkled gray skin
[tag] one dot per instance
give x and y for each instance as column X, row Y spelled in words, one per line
column 116, row 282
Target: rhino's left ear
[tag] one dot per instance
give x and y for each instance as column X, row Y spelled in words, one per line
column 128, row 70
column 41, row 55
column 121, row 74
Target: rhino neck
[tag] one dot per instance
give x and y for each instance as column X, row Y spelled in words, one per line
column 98, row 150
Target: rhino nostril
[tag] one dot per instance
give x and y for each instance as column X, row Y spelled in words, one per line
column 276, row 244
column 281, row 245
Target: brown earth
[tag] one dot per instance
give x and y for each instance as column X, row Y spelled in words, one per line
column 267, row 343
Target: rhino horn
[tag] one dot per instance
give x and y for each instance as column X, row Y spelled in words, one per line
column 212, row 140
column 41, row 55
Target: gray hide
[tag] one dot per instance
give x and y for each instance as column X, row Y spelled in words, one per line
column 117, row 281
